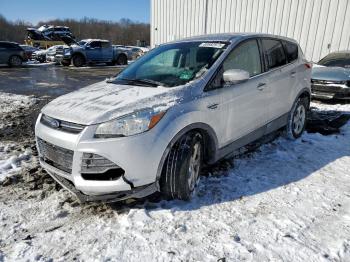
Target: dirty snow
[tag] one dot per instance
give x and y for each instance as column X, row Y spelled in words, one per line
column 12, row 156
column 287, row 201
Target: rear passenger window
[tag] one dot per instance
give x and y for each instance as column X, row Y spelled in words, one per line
column 105, row 44
column 291, row 51
column 274, row 53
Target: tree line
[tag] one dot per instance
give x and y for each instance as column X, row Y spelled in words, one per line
column 124, row 32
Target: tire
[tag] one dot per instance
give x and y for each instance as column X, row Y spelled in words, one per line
column 65, row 63
column 15, row 61
column 78, row 60
column 297, row 118
column 181, row 170
column 122, row 60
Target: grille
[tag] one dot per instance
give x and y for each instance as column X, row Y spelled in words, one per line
column 326, row 88
column 61, row 125
column 327, row 82
column 56, row 156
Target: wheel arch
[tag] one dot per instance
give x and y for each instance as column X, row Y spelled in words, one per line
column 79, row 54
column 304, row 93
column 210, row 143
column 9, row 60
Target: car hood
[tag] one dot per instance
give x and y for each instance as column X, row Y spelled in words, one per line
column 331, row 73
column 104, row 101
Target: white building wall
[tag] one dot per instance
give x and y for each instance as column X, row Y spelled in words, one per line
column 320, row 26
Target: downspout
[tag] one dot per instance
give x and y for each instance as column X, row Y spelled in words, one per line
column 206, row 17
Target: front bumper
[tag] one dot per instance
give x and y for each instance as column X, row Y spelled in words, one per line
column 139, row 156
column 330, row 91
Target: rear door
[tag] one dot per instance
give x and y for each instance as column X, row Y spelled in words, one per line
column 279, row 77
column 107, row 51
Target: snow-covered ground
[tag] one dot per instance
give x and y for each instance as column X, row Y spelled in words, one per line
column 287, row 201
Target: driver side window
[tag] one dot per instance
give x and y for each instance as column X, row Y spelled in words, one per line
column 95, row 44
column 246, row 57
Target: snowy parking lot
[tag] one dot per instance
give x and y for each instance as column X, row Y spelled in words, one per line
column 285, row 201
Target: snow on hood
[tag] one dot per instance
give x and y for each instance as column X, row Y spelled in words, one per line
column 331, row 73
column 104, row 101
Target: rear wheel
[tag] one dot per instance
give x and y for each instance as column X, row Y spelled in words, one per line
column 182, row 168
column 297, row 119
column 122, row 59
column 78, row 60
column 15, row 61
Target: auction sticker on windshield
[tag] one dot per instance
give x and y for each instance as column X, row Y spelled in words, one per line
column 213, row 45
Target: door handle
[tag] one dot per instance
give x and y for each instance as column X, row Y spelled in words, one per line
column 213, row 106
column 293, row 74
column 261, row 86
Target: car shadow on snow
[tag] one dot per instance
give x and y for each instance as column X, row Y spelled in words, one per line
column 267, row 164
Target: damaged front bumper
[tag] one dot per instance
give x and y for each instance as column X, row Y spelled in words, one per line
column 98, row 169
column 138, row 192
column 330, row 89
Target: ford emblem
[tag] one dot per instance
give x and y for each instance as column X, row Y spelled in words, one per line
column 54, row 123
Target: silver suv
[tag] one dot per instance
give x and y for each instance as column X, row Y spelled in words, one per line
column 183, row 104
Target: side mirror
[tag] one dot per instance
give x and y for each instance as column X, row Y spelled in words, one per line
column 234, row 76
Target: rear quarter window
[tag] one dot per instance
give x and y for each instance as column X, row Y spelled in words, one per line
column 291, row 50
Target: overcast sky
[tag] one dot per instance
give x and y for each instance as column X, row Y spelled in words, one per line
column 40, row 10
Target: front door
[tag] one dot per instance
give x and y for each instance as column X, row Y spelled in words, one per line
column 246, row 102
column 94, row 52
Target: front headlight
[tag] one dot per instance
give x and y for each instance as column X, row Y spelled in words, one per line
column 129, row 125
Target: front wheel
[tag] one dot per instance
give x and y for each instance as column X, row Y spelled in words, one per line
column 78, row 60
column 122, row 60
column 297, row 119
column 182, row 167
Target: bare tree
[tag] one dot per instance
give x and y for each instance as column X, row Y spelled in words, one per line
column 124, row 32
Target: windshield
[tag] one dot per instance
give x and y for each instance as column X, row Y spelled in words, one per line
column 339, row 60
column 82, row 42
column 173, row 64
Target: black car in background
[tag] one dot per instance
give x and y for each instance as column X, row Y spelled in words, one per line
column 331, row 77
column 12, row 54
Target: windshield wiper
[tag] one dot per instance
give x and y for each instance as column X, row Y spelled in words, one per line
column 148, row 82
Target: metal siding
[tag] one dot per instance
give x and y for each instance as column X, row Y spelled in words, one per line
column 320, row 26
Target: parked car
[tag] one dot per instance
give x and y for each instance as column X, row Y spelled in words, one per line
column 49, row 32
column 40, row 55
column 52, row 51
column 181, row 105
column 136, row 51
column 331, row 77
column 47, row 54
column 12, row 54
column 29, row 50
column 91, row 51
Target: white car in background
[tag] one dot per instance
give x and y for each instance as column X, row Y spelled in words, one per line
column 181, row 105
